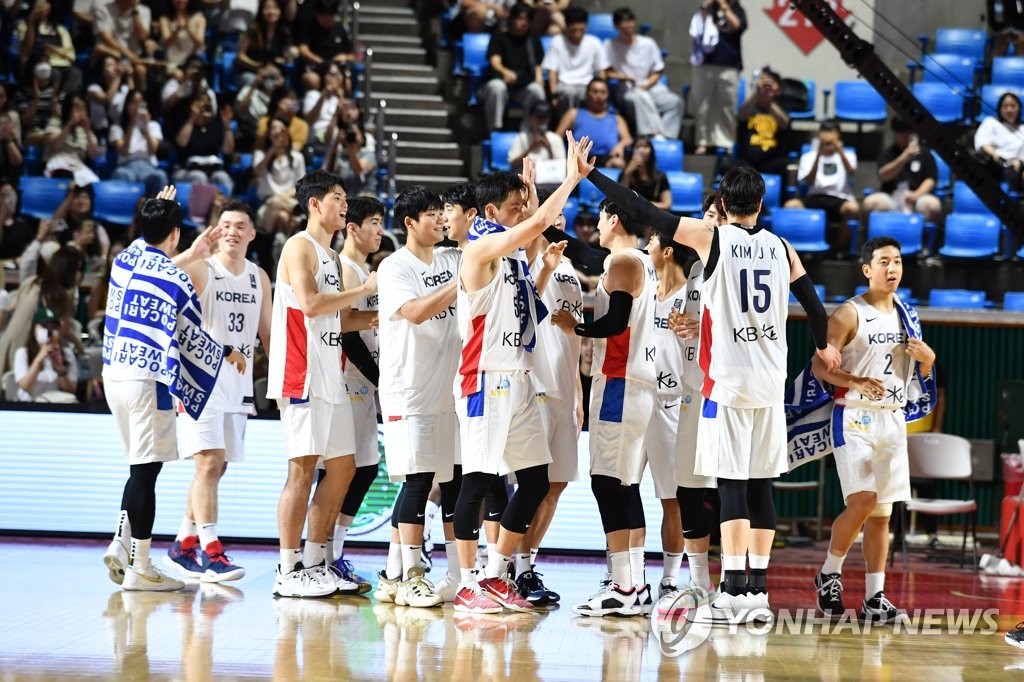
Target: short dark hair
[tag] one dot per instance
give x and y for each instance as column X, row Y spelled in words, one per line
column 774, row 75
column 575, row 15
column 315, row 185
column 829, row 125
column 239, row 206
column 741, row 190
column 413, row 201
column 682, row 255
column 360, row 208
column 519, row 9
column 900, row 125
column 867, row 252
column 710, row 198
column 158, row 218
column 495, row 188
column 622, row 14
column 460, row 194
column 629, row 223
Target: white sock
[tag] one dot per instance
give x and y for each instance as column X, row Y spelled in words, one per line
column 393, row 569
column 533, row 555
column 497, row 564
column 758, row 561
column 833, row 563
column 608, row 561
column 620, row 569
column 734, row 563
column 185, row 530
column 431, row 512
column 467, row 576
column 313, row 554
column 873, row 583
column 329, row 553
column 339, row 541
column 410, row 559
column 124, row 529
column 522, row 563
column 289, row 559
column 207, row 534
column 451, row 551
column 140, row 553
column 671, row 562
column 636, row 566
column 699, row 574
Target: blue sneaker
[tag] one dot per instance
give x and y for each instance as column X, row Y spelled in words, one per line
column 217, row 566
column 182, row 557
column 532, row 588
column 344, row 568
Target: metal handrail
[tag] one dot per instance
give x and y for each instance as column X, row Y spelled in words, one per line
column 367, row 81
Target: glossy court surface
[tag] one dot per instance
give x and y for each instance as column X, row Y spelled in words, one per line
column 65, row 620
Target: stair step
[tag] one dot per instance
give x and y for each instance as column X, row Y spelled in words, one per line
column 402, row 54
column 395, row 68
column 416, row 133
column 426, row 85
column 412, row 117
column 405, row 97
column 419, row 165
column 435, row 183
column 434, row 150
column 393, row 25
column 369, row 8
column 389, row 40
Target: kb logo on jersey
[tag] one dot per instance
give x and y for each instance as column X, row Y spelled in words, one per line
column 752, row 334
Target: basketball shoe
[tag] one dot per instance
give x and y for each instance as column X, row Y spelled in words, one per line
column 344, row 568
column 149, row 579
column 472, row 599
column 303, row 582
column 115, row 559
column 830, row 594
column 386, row 588
column 217, row 566
column 880, row 611
column 183, row 557
column 610, row 601
column 417, row 591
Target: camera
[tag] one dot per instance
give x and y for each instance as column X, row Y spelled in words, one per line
column 351, row 135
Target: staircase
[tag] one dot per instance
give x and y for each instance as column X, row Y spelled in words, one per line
column 427, row 153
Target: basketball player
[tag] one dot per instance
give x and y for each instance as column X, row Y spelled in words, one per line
column 150, row 305
column 499, row 423
column 741, row 435
column 623, row 401
column 868, row 426
column 305, row 376
column 419, row 356
column 235, row 297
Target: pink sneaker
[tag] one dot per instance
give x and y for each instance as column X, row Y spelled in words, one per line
column 505, row 593
column 471, row 599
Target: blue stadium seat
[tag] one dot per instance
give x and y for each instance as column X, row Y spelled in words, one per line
column 495, row 151
column 687, row 191
column 966, row 201
column 907, row 228
column 990, row 95
column 114, row 200
column 569, row 212
column 471, row 60
column 859, row 101
column 41, row 196
column 1008, row 71
column 956, row 298
column 818, row 289
column 969, row 42
column 803, row 228
column 1014, row 300
column 946, row 104
column 224, row 72
column 772, row 191
column 601, row 25
column 971, row 235
column 944, row 181
column 590, row 196
column 545, row 42
column 956, row 70
column 668, row 155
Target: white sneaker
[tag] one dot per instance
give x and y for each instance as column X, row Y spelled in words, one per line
column 116, row 558
column 448, row 588
column 327, row 573
column 611, row 601
column 302, row 582
column 685, row 601
column 387, row 588
column 724, row 608
column 757, row 608
column 149, row 579
column 417, row 591
column 643, row 598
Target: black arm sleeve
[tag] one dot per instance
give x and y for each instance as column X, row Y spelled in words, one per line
column 615, row 321
column 804, row 291
column 360, row 356
column 587, row 258
column 663, row 222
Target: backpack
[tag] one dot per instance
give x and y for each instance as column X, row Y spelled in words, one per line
column 793, row 95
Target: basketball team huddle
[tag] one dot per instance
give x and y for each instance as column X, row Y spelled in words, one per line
column 473, row 353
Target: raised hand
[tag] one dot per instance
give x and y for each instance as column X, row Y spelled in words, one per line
column 553, row 254
column 205, row 244
column 578, row 163
column 169, row 192
column 529, row 177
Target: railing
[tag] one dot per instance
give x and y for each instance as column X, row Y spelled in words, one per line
column 367, row 81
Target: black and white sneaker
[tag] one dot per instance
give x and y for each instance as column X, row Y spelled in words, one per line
column 532, row 588
column 880, row 611
column 1015, row 637
column 643, row 598
column 427, row 555
column 611, row 601
column 830, row 594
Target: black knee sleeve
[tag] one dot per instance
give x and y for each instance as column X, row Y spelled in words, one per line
column 414, row 501
column 761, row 502
column 398, row 505
column 139, row 498
column 696, row 524
column 450, row 495
column 467, row 509
column 496, row 498
column 357, row 489
column 610, row 496
column 533, row 487
column 733, row 494
column 634, row 507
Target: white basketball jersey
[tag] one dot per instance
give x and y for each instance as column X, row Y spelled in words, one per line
column 693, row 375
column 630, row 354
column 353, row 377
column 878, row 350
column 417, row 361
column 669, row 357
column 558, row 354
column 231, row 315
column 305, row 352
column 743, row 325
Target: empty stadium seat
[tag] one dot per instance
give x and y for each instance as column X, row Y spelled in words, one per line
column 966, row 201
column 969, row 42
column 114, row 200
column 859, row 101
column 818, row 289
column 1014, row 300
column 471, row 60
column 590, row 197
column 772, row 191
column 943, row 102
column 569, row 212
column 600, row 24
column 956, row 298
column 41, row 196
column 687, row 191
column 1008, row 71
column 668, row 155
column 943, row 183
column 971, row 235
column 803, row 228
column 907, row 228
column 495, row 151
column 956, row 70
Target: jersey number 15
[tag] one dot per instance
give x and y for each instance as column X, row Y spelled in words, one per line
column 762, row 294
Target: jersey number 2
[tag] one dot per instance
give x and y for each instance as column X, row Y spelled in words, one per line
column 762, row 296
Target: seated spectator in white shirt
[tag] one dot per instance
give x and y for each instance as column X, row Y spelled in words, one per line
column 44, row 368
column 136, row 140
column 1001, row 140
column 540, row 145
column 572, row 61
column 123, row 30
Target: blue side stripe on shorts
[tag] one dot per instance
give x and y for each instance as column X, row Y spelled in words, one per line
column 163, row 397
column 298, row 401
column 709, row 409
column 611, row 402
column 838, row 439
column 475, row 401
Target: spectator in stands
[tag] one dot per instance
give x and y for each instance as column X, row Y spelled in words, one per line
column 477, row 16
column 39, row 101
column 351, row 151
column 122, row 29
column 106, row 98
column 543, row 147
column 514, row 68
column 39, row 37
column 136, row 140
column 716, row 29
column 1000, row 140
column 76, row 228
column 182, row 31
column 284, row 104
column 181, row 88
column 573, row 59
column 203, row 142
column 908, row 174
column 635, row 60
column 322, row 39
column 276, row 168
column 44, row 367
column 8, row 107
column 548, row 16
column 608, row 131
column 828, row 169
column 641, row 175
column 761, row 123
column 265, row 43
column 71, row 144
column 234, row 18
column 39, row 250
column 15, row 231
column 320, row 106
column 11, row 158
column 253, row 103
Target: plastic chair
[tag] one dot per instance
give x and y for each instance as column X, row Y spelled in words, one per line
column 224, row 71
column 114, row 200
column 41, row 196
column 956, row 298
column 956, row 70
column 810, row 113
column 601, row 25
column 946, row 104
column 668, row 155
column 803, row 228
column 907, row 228
column 687, row 191
column 859, row 101
column 1008, row 71
column 990, row 95
column 10, row 386
column 495, row 151
column 968, row 42
column 966, row 201
column 943, row 183
column 971, row 235
column 589, row 195
column 1014, row 300
column 818, row 289
column 569, row 212
column 772, row 191
column 471, row 60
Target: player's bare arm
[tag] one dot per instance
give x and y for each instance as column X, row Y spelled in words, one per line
column 298, row 263
column 419, row 310
column 842, row 327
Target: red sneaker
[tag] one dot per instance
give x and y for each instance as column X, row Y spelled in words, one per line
column 471, row 599
column 503, row 591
